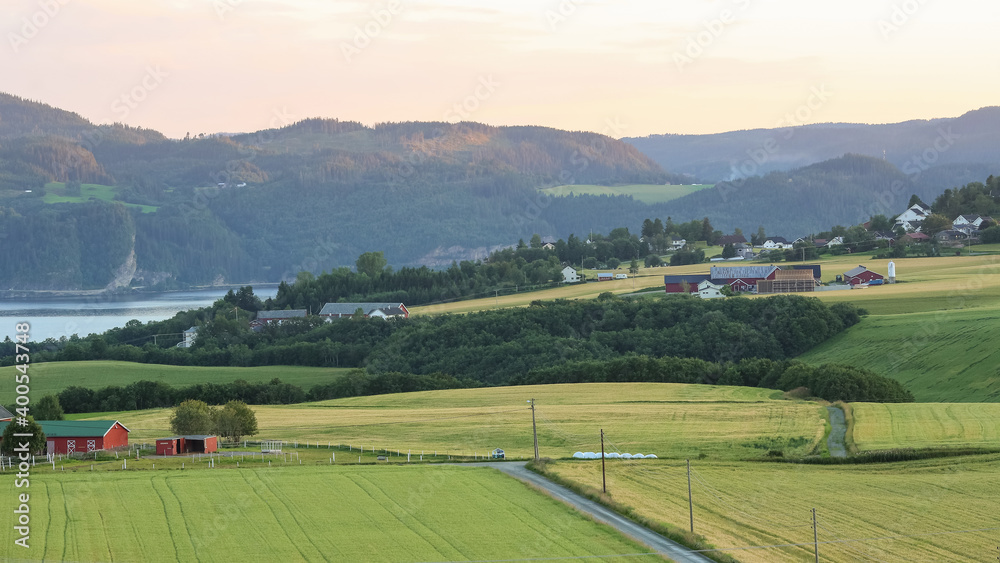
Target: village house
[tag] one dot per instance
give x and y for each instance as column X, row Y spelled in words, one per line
column 914, row 237
column 776, row 243
column 275, row 318
column 731, row 239
column 951, row 236
column 709, row 290
column 332, row 311
column 569, row 275
column 911, row 219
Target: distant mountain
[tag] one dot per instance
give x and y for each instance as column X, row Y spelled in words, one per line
column 972, row 140
column 841, row 191
column 309, row 196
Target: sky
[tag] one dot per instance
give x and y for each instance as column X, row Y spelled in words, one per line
column 624, row 68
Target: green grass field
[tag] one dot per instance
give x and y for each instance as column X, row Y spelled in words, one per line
column 764, row 504
column 52, row 377
column 303, row 514
column 934, row 425
column 669, row 420
column 55, row 192
column 941, row 356
column 646, row 193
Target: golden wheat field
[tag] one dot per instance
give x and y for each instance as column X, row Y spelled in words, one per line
column 665, row 419
column 890, row 512
column 926, row 425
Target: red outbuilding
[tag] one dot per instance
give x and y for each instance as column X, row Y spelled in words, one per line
column 71, row 436
column 191, row 444
column 861, row 275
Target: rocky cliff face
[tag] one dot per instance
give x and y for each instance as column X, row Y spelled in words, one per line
column 122, row 276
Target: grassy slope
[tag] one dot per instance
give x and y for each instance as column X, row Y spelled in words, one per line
column 669, row 420
column 882, row 426
column 744, row 504
column 55, row 193
column 52, row 377
column 647, row 193
column 289, row 514
column 933, row 333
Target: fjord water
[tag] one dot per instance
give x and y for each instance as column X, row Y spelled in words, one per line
column 58, row 317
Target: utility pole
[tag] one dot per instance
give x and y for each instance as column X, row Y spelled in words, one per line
column 534, row 429
column 604, row 478
column 690, row 503
column 815, row 537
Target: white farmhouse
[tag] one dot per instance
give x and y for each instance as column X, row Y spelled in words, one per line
column 709, row 290
column 911, row 219
column 570, row 275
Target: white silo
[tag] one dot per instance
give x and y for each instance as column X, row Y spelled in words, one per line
column 892, row 272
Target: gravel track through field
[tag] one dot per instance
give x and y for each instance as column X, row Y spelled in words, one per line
column 838, row 433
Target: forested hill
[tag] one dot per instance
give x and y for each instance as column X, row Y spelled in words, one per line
column 842, row 191
column 969, row 141
column 311, row 195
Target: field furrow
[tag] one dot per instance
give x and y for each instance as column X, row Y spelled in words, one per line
column 888, row 512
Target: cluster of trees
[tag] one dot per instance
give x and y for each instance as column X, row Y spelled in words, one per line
column 660, row 235
column 373, row 281
column 142, row 395
column 833, row 382
column 495, row 346
column 976, row 198
column 489, row 346
column 233, row 421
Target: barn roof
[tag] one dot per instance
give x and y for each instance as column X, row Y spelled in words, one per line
column 74, row 428
column 689, row 278
column 189, row 437
column 855, row 271
column 275, row 315
column 392, row 311
column 4, row 413
column 741, row 272
column 351, row 308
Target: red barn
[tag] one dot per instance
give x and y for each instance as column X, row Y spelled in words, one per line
column 860, row 275
column 70, row 436
column 676, row 284
column 196, row 443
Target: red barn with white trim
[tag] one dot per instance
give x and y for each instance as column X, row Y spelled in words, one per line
column 72, row 436
column 861, row 275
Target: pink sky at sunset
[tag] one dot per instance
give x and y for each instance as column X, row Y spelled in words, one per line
column 622, row 68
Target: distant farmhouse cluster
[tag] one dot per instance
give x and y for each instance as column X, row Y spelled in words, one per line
column 769, row 279
column 962, row 228
column 332, row 311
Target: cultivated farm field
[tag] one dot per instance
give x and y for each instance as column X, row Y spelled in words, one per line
column 666, row 419
column 925, row 425
column 55, row 192
column 898, row 511
column 52, row 377
column 646, row 193
column 295, row 514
